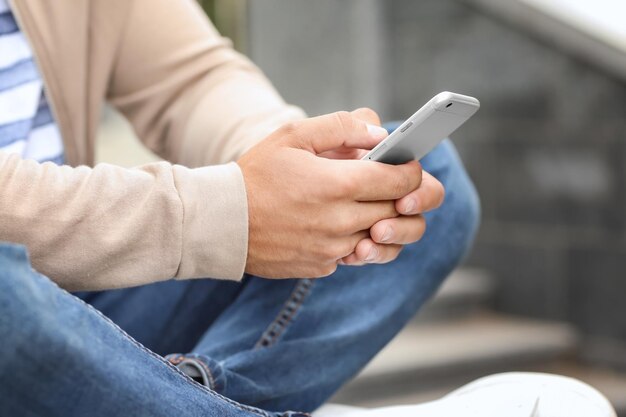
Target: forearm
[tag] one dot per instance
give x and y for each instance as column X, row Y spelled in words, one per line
column 111, row 227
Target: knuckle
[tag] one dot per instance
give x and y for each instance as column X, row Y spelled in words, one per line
column 344, row 120
column 323, row 252
column 419, row 173
column 344, row 225
column 321, row 271
column 369, row 114
column 345, row 186
column 313, row 221
column 317, row 225
column 401, row 184
column 416, row 176
column 328, row 270
column 344, row 249
column 329, row 251
column 289, row 129
column 347, row 221
column 390, row 210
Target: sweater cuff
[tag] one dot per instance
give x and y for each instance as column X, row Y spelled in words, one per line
column 215, row 222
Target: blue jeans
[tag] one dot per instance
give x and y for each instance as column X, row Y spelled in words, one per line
column 257, row 347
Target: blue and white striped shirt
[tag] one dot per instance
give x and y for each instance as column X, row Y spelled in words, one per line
column 27, row 127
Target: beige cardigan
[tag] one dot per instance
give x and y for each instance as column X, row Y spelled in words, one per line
column 190, row 98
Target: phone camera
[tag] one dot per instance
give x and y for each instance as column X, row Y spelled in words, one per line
column 449, row 105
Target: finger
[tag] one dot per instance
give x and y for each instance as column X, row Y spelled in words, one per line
column 429, row 196
column 344, row 153
column 367, row 115
column 332, row 131
column 351, row 260
column 370, row 181
column 370, row 117
column 368, row 252
column 352, row 241
column 400, row 231
column 363, row 215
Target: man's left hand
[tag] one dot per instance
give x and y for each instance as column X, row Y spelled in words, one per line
column 388, row 236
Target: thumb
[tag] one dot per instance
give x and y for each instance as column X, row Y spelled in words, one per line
column 335, row 130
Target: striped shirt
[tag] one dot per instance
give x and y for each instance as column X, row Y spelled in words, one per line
column 27, row 127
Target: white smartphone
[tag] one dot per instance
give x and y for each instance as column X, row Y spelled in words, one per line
column 420, row 133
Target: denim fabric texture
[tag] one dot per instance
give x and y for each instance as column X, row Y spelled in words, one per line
column 253, row 348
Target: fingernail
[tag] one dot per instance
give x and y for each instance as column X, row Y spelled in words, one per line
column 410, row 206
column 377, row 132
column 372, row 255
column 387, row 235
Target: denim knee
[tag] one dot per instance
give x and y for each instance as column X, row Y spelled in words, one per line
column 463, row 210
column 458, row 218
column 29, row 301
column 15, row 274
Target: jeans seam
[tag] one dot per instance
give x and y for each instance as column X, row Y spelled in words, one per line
column 209, row 374
column 286, row 314
column 160, row 360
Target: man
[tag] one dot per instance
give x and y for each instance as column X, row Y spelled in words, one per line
column 296, row 204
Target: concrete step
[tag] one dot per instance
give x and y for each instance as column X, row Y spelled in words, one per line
column 431, row 357
column 464, row 292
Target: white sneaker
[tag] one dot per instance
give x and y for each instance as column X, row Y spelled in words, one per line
column 557, row 396
column 503, row 395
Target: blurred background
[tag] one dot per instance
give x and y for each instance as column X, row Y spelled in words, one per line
column 545, row 287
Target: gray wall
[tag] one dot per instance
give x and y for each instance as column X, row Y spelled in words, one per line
column 324, row 55
column 547, row 150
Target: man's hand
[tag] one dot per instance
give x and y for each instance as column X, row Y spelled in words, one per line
column 307, row 213
column 387, row 237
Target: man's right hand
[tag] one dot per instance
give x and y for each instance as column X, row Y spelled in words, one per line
column 307, row 212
